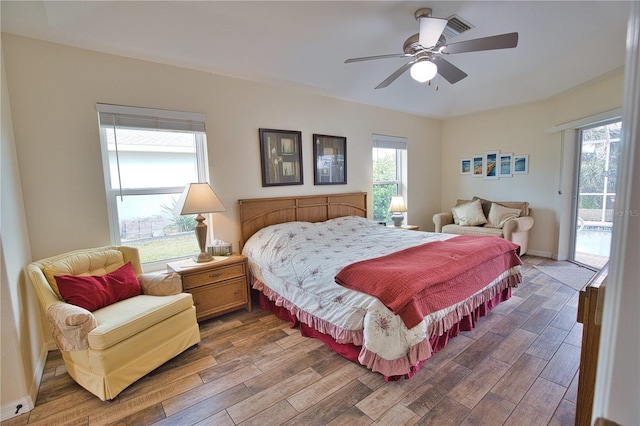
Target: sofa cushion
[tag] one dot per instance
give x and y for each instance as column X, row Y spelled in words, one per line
column 94, row 292
column 486, row 205
column 128, row 317
column 522, row 205
column 469, row 214
column 498, row 215
column 471, row 230
column 83, row 264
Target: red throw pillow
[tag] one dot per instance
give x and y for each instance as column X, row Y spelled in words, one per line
column 95, row 292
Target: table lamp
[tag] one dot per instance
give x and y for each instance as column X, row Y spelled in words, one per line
column 397, row 207
column 198, row 198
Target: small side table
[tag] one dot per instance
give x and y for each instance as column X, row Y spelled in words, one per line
column 408, row 227
column 217, row 287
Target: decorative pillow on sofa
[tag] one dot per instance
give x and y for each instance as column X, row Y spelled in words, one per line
column 486, row 205
column 498, row 215
column 469, row 214
column 94, row 292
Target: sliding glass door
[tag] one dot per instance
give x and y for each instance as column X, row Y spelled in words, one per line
column 595, row 188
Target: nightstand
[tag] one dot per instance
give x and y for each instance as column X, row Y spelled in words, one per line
column 217, row 287
column 408, row 227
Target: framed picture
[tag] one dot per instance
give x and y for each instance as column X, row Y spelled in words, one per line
column 329, row 160
column 465, row 166
column 281, row 157
column 477, row 162
column 505, row 165
column 491, row 164
column 520, row 164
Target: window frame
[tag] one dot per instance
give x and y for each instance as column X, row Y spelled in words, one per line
column 400, row 145
column 177, row 119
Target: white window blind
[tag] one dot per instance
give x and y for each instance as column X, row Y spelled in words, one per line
column 391, row 142
column 148, row 118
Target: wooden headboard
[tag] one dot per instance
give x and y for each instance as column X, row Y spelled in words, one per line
column 257, row 213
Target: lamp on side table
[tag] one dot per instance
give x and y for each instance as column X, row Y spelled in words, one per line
column 198, row 198
column 397, row 207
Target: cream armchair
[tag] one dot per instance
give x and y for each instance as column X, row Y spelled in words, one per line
column 110, row 348
column 515, row 230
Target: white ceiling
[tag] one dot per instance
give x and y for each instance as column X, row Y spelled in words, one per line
column 303, row 44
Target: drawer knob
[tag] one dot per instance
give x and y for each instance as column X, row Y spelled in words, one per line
column 215, row 275
column 236, row 292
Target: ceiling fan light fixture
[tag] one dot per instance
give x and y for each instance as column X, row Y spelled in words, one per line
column 423, row 71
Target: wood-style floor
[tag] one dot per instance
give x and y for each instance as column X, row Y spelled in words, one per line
column 517, row 367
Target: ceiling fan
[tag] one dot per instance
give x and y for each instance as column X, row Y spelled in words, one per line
column 428, row 47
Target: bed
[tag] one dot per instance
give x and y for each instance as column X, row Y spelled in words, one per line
column 385, row 298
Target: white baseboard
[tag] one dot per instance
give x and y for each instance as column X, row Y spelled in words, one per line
column 26, row 402
column 15, row 408
column 540, row 253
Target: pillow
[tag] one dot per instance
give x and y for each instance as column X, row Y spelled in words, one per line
column 469, row 214
column 486, row 205
column 498, row 215
column 87, row 262
column 94, row 292
column 456, row 220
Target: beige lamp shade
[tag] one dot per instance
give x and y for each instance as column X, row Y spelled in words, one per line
column 397, row 204
column 198, row 198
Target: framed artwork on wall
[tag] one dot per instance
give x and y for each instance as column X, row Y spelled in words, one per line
column 466, row 166
column 281, row 157
column 490, row 164
column 520, row 164
column 329, row 160
column 477, row 164
column 505, row 165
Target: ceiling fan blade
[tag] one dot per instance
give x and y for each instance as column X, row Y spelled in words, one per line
column 370, row 58
column 448, row 71
column 395, row 75
column 430, row 31
column 502, row 41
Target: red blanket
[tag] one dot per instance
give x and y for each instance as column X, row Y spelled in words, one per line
column 418, row 281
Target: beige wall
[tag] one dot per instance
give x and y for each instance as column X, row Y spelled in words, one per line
column 22, row 351
column 57, row 162
column 55, row 89
column 521, row 130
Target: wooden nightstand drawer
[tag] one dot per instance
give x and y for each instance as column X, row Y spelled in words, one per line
column 220, row 298
column 217, row 287
column 190, row 281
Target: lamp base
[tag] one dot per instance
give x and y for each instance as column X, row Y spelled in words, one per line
column 201, row 236
column 203, row 257
column 397, row 219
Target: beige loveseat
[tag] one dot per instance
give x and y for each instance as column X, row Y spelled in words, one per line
column 514, row 229
column 110, row 348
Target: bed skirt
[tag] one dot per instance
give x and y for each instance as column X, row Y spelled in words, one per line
column 352, row 352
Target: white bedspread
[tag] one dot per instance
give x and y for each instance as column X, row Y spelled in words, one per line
column 297, row 262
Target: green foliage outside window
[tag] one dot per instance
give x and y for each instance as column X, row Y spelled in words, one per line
column 385, row 182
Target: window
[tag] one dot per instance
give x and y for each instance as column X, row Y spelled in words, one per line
column 149, row 156
column 389, row 173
